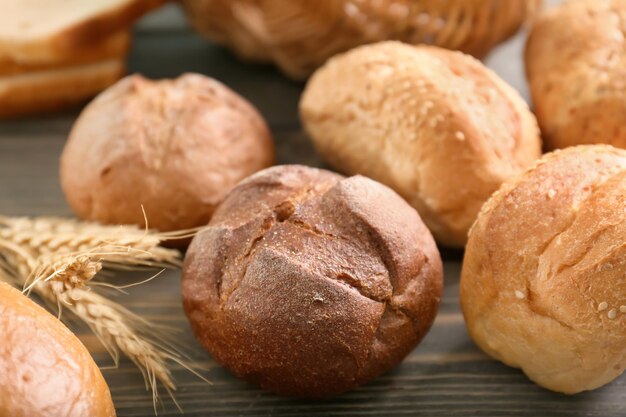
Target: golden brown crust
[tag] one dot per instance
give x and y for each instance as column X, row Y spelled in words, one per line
column 311, row 284
column 436, row 126
column 45, row 369
column 577, row 75
column 174, row 146
column 114, row 46
column 544, row 274
column 56, row 89
column 299, row 36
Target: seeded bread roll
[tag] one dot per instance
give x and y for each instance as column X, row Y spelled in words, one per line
column 543, row 286
column 310, row 284
column 576, row 67
column 44, row 369
column 436, row 126
column 175, row 147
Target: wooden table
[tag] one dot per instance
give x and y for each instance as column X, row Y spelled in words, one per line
column 445, row 376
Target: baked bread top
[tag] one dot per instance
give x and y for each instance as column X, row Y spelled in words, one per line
column 543, row 285
column 309, row 283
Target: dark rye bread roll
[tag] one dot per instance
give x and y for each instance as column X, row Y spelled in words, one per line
column 310, row 284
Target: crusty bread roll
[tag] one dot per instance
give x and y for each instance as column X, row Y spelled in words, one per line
column 54, row 89
column 436, row 126
column 310, row 284
column 300, row 35
column 576, row 67
column 543, row 285
column 44, row 369
column 174, row 146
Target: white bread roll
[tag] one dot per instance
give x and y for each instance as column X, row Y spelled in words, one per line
column 543, row 286
column 436, row 126
column 576, row 67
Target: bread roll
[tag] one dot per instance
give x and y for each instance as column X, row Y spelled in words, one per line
column 310, row 284
column 543, row 285
column 174, row 146
column 44, row 369
column 300, row 35
column 576, row 67
column 436, row 126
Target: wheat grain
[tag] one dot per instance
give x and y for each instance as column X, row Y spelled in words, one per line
column 65, row 272
column 52, row 235
column 58, row 258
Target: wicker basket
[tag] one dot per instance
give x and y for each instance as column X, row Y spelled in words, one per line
column 299, row 35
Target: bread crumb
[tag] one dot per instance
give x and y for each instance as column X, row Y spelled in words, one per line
column 520, row 295
column 460, row 136
column 622, row 309
column 603, row 306
column 612, row 313
column 551, row 194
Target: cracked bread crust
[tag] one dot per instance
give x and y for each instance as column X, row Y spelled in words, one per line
column 576, row 76
column 543, row 285
column 175, row 147
column 310, row 284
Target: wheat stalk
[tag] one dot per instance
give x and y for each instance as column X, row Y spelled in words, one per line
column 58, row 259
column 53, row 235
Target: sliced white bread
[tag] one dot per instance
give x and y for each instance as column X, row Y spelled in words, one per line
column 114, row 46
column 54, row 89
column 41, row 31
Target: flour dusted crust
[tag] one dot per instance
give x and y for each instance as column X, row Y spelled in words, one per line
column 309, row 283
column 436, row 126
column 543, row 285
column 175, row 147
column 576, row 67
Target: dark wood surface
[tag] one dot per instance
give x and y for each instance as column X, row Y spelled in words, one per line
column 445, row 376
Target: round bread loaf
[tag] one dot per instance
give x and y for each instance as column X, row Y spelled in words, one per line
column 577, row 76
column 44, row 369
column 174, row 146
column 300, row 35
column 436, row 126
column 310, row 284
column 543, row 286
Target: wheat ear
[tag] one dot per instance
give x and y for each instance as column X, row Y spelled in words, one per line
column 58, row 258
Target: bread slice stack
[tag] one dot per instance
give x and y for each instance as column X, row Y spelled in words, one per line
column 57, row 53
